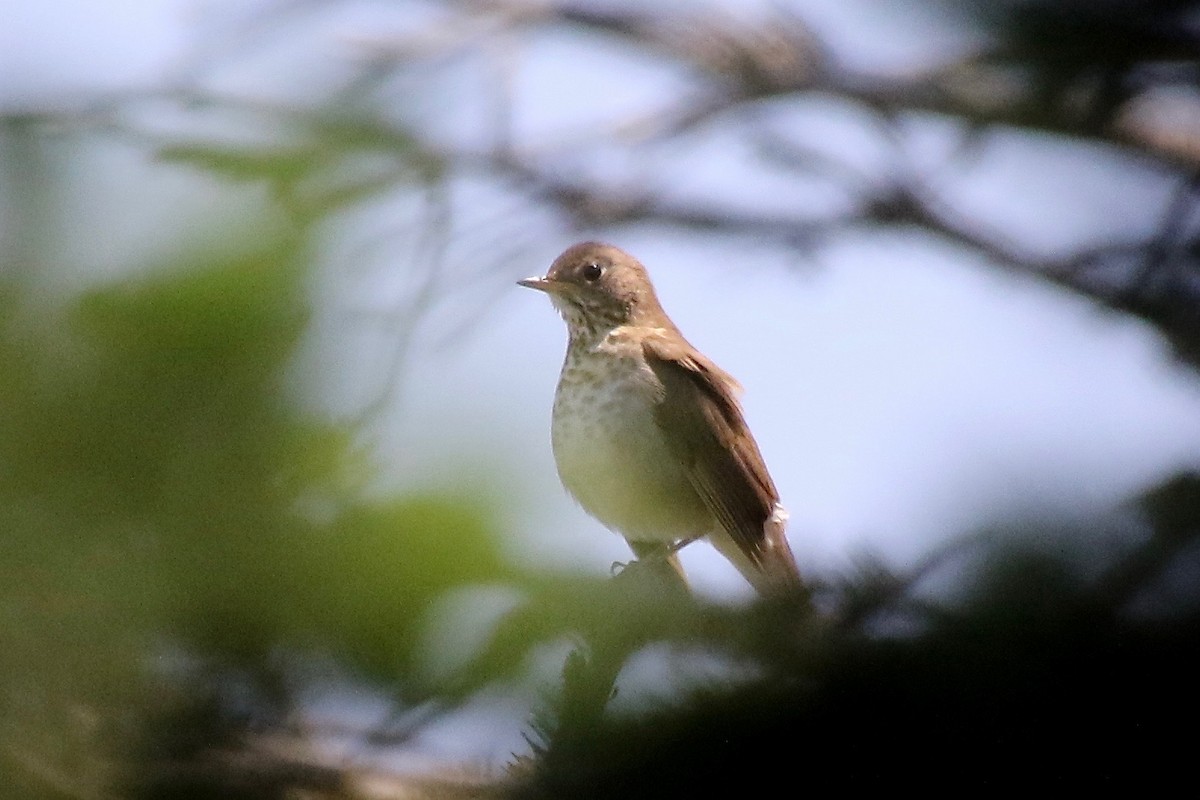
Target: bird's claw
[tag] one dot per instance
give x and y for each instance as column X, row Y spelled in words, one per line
column 682, row 543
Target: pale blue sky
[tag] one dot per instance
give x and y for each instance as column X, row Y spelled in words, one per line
column 902, row 391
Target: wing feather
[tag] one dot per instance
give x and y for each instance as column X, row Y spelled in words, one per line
column 703, row 424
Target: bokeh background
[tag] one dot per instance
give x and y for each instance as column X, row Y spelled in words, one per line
column 279, row 511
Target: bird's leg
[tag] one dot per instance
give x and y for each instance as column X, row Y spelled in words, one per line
column 682, row 543
column 660, row 558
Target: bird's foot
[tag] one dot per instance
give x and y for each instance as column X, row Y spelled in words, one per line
column 682, row 543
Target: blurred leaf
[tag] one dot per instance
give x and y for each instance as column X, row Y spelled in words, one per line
column 162, row 501
column 363, row 585
column 240, row 163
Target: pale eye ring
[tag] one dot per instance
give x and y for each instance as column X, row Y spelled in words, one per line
column 592, row 272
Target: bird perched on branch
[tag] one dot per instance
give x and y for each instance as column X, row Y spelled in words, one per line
column 648, row 434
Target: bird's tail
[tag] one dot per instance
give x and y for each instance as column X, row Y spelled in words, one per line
column 773, row 573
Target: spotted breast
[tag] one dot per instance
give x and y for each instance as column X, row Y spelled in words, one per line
column 610, row 455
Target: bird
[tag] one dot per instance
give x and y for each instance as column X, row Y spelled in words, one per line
column 647, row 432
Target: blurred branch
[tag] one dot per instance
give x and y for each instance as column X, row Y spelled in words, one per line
column 402, row 320
column 279, row 766
column 1171, row 511
column 1103, row 83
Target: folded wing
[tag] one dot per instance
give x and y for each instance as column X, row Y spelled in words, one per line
column 702, row 422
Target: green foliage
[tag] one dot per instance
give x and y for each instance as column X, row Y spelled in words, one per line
column 162, row 503
column 366, row 582
column 1049, row 668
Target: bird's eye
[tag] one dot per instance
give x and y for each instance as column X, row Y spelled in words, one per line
column 592, row 272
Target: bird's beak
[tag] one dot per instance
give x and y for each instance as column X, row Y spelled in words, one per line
column 541, row 284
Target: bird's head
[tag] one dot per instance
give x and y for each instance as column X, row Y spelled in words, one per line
column 597, row 287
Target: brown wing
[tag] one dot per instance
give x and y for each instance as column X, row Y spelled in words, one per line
column 703, row 424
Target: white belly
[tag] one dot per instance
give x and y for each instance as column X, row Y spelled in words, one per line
column 611, row 457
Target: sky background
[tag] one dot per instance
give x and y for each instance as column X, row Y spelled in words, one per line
column 902, row 391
